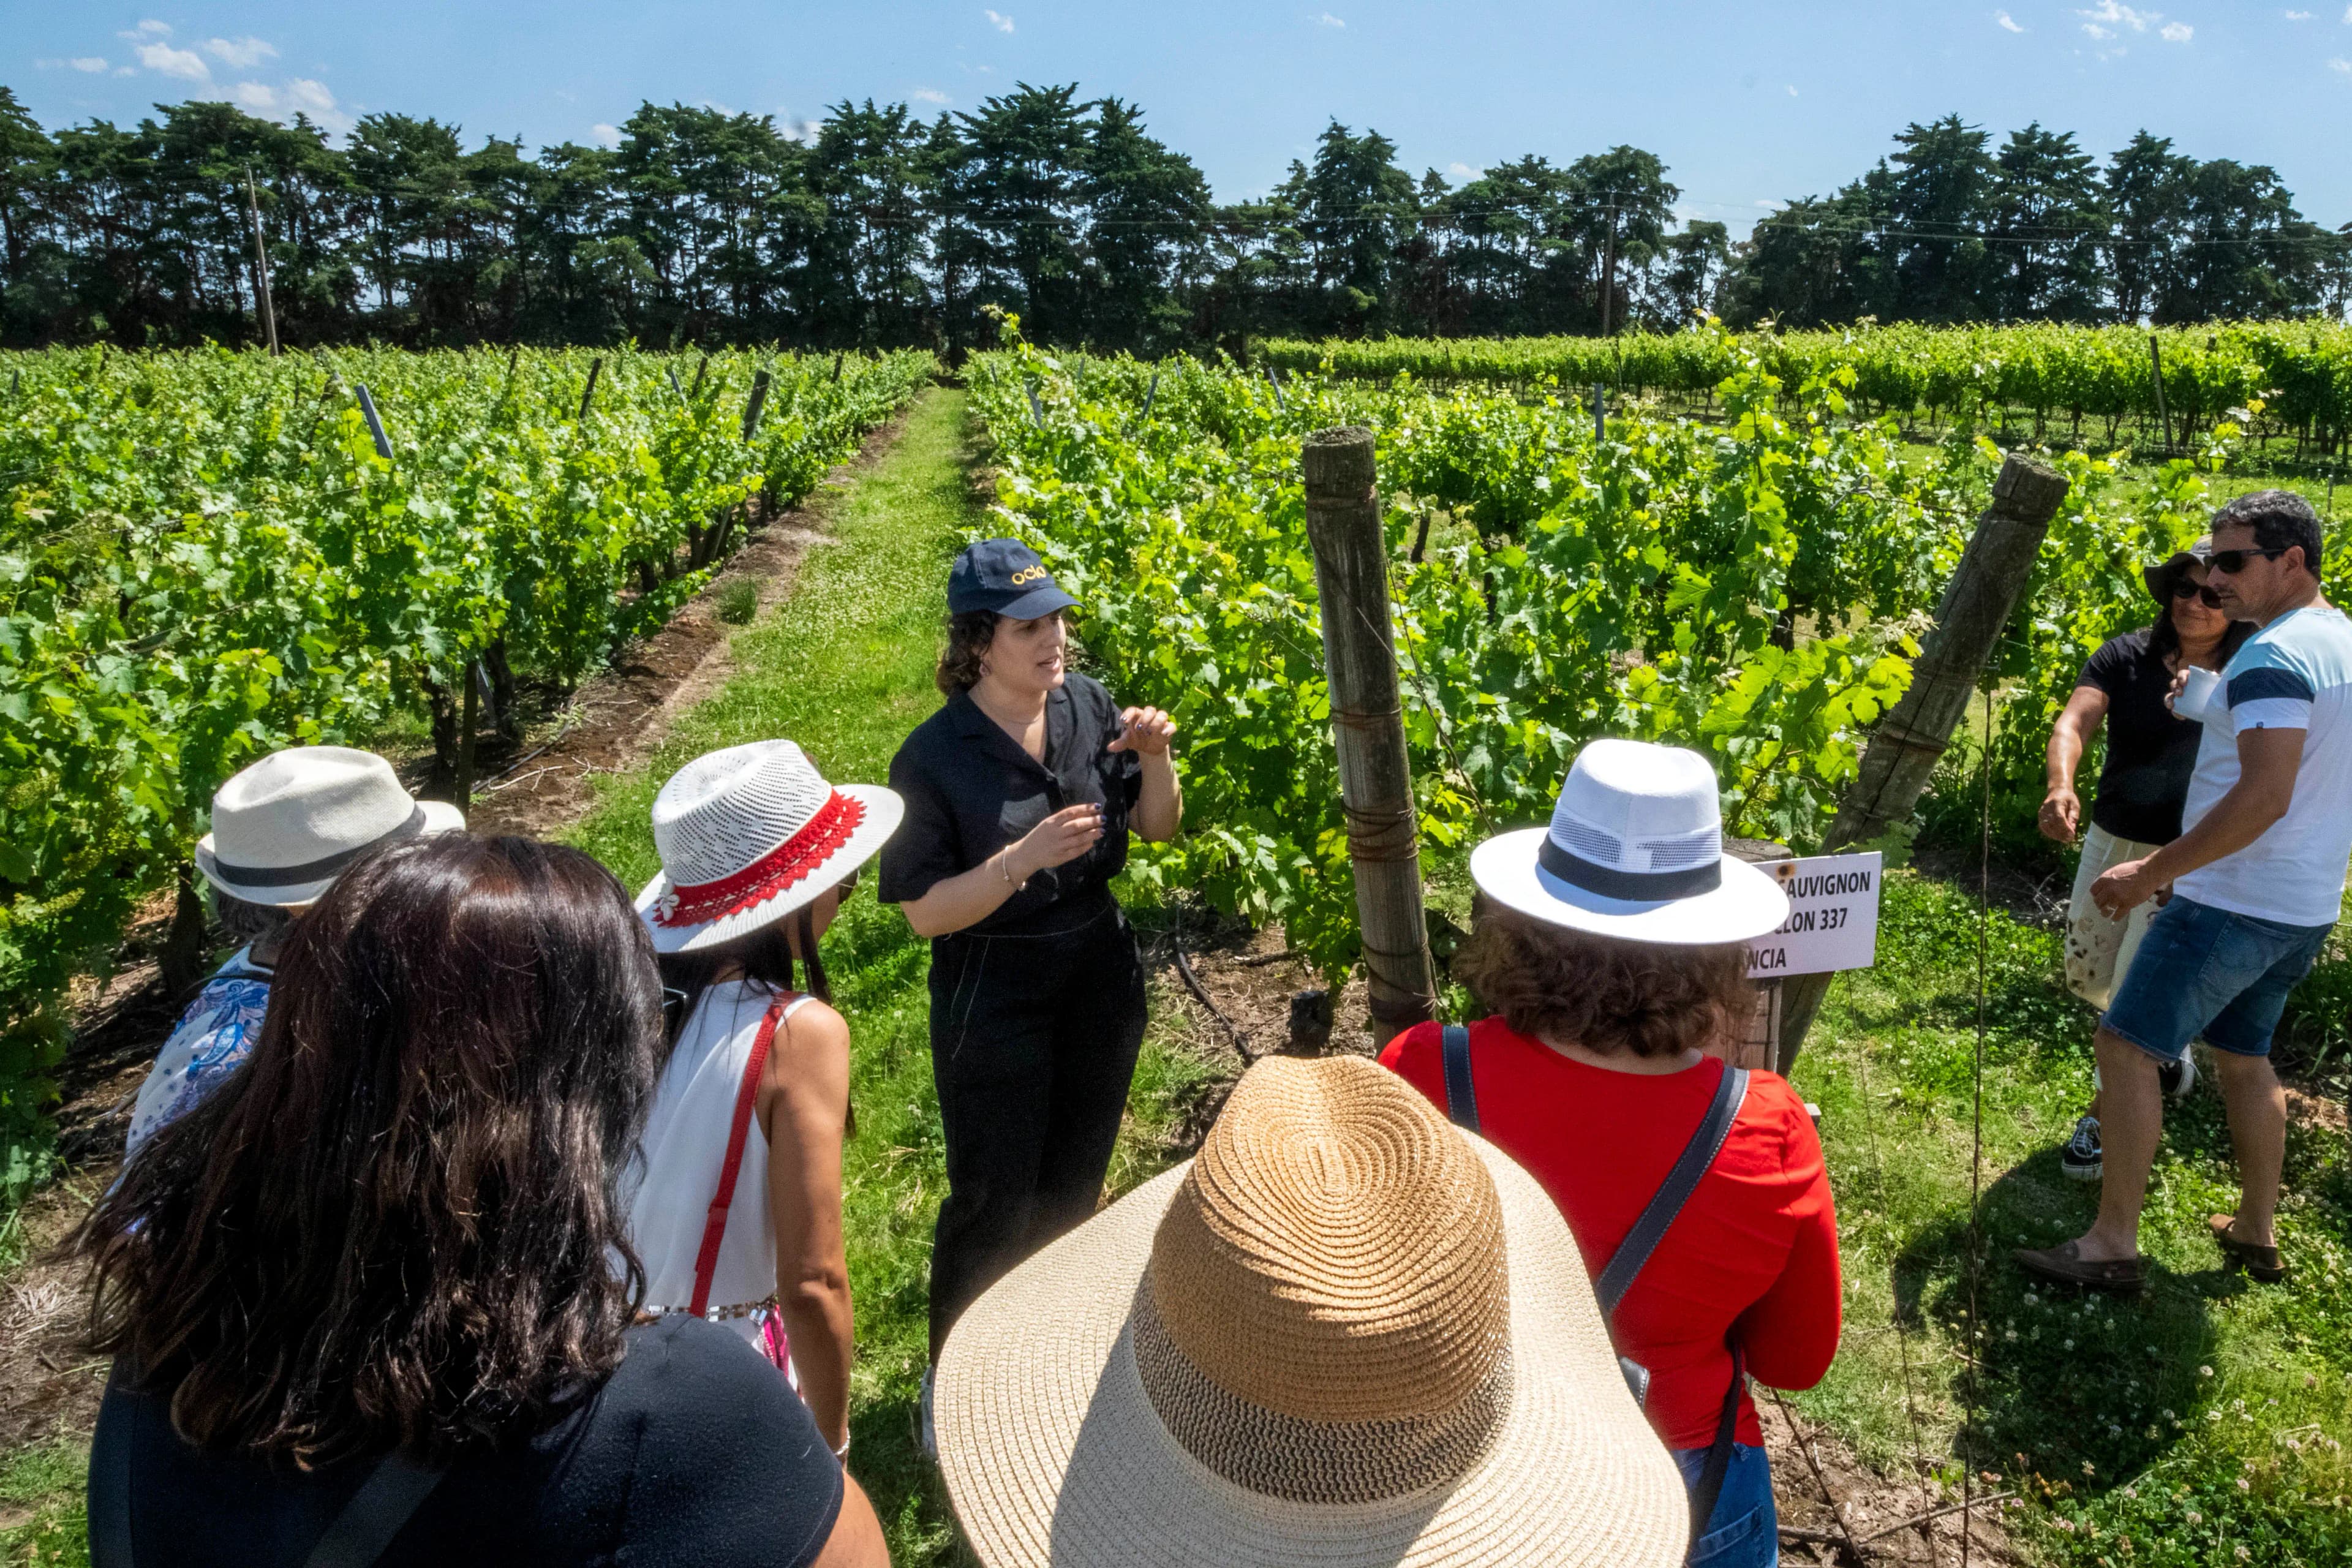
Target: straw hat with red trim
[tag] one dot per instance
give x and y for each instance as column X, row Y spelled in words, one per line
column 750, row 834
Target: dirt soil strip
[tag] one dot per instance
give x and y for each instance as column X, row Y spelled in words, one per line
column 612, row 724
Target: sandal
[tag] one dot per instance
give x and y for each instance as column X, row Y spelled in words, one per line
column 2261, row 1262
column 2065, row 1264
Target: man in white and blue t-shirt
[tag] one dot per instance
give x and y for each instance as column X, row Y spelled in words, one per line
column 2256, row 881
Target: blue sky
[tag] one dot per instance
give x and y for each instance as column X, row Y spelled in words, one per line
column 1747, row 103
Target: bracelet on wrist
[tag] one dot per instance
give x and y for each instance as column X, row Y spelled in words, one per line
column 1005, row 864
column 842, row 1453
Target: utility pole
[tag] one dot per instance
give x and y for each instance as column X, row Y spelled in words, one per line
column 260, row 262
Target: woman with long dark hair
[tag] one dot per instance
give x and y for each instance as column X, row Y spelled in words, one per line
column 737, row 1205
column 1020, row 792
column 374, row 1300
column 2143, row 786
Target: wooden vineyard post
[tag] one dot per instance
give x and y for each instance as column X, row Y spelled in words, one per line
column 260, row 262
column 2156, row 365
column 1758, row 1045
column 1352, row 577
column 588, row 393
column 1904, row 750
column 759, row 401
column 469, row 677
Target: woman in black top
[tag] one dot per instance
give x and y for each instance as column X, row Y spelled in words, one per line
column 1019, row 793
column 2142, row 785
column 362, row 1299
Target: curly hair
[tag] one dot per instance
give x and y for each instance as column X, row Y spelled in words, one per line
column 1610, row 997
column 402, row 1223
column 968, row 635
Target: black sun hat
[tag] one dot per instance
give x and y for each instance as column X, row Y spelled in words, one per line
column 1003, row 575
column 2160, row 577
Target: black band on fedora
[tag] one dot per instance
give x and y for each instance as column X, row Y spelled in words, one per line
column 1634, row 887
column 312, row 870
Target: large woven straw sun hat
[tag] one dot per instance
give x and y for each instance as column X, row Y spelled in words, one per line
column 748, row 835
column 1347, row 1333
column 286, row 827
column 1634, row 851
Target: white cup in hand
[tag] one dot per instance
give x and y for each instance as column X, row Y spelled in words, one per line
column 2199, row 688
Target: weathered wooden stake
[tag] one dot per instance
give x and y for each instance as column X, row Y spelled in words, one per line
column 1904, row 750
column 1351, row 575
column 2156, row 362
column 375, row 423
column 261, row 262
column 588, row 393
column 469, row 713
column 759, row 401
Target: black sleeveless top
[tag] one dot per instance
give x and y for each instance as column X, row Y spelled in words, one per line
column 693, row 1452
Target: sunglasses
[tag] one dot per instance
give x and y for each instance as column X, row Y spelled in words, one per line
column 2234, row 560
column 2185, row 589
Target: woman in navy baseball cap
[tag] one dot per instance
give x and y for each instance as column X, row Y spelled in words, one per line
column 1020, row 792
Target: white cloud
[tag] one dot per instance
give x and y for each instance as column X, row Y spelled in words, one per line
column 801, row 130
column 2343, row 66
column 607, row 135
column 930, row 95
column 1770, row 205
column 2298, row 15
column 93, row 64
column 169, row 61
column 999, row 21
column 1792, row 89
column 1326, row 20
column 2176, row 32
column 125, row 70
column 2007, row 22
column 242, row 53
column 257, row 98
column 1463, row 171
column 2347, row 15
column 2116, row 13
column 298, row 95
column 150, row 27
column 2098, row 32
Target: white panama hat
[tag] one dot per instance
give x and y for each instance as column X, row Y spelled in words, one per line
column 1634, row 851
column 285, row 827
column 748, row 835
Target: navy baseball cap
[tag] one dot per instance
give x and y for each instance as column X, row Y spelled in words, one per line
column 1003, row 575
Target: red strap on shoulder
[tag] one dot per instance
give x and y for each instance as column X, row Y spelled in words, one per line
column 714, row 1227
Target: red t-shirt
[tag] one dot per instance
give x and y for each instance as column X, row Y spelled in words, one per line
column 1757, row 1243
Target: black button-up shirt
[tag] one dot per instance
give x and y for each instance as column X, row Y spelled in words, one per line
column 970, row 790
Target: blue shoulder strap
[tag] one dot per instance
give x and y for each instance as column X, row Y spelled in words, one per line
column 1461, row 1094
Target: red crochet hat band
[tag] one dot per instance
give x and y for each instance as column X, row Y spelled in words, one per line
column 788, row 863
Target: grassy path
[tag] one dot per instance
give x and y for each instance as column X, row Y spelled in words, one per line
column 844, row 667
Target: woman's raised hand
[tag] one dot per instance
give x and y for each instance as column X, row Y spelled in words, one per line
column 1060, row 838
column 1146, row 732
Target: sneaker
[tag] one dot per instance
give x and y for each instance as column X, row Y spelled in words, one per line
column 2177, row 1079
column 927, row 1435
column 2079, row 1159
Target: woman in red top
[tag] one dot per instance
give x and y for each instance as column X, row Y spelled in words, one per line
column 1612, row 947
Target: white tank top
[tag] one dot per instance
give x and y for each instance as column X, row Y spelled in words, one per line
column 676, row 1172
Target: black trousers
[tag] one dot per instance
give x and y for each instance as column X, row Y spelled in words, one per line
column 1034, row 1040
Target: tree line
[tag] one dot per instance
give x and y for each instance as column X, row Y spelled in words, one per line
column 880, row 228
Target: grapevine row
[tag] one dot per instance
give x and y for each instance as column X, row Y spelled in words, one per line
column 207, row 555
column 1752, row 585
column 2079, row 382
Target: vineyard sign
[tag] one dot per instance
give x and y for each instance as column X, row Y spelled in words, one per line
column 1833, row 916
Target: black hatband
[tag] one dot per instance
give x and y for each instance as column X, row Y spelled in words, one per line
column 1634, row 887
column 312, row 870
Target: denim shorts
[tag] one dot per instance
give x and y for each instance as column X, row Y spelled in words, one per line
column 2203, row 971
column 1745, row 1530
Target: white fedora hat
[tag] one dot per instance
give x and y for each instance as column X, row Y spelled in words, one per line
column 286, row 827
column 748, row 835
column 1634, row 851
column 1347, row 1334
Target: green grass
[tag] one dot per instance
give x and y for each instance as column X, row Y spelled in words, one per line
column 2208, row 1416
column 41, row 1496
column 844, row 667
